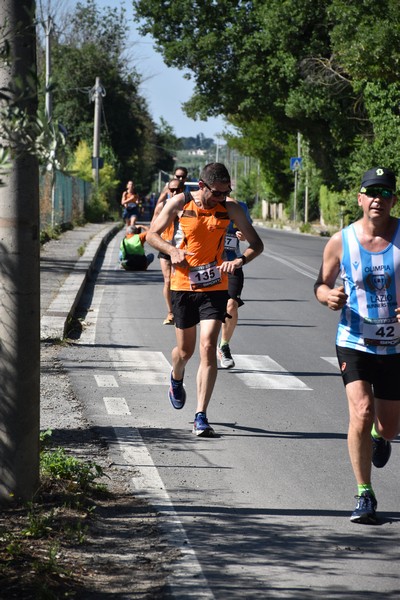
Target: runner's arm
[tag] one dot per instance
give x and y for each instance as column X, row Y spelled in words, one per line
column 256, row 246
column 324, row 288
column 157, row 210
column 163, row 195
column 167, row 215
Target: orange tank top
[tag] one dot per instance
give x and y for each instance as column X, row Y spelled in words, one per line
column 201, row 231
column 168, row 233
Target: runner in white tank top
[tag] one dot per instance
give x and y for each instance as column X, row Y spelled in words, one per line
column 367, row 257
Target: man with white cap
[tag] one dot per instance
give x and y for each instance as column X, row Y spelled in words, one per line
column 366, row 255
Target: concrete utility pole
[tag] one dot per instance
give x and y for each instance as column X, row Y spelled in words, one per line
column 98, row 92
column 19, row 279
column 48, row 29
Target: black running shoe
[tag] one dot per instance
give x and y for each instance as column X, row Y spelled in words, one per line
column 381, row 451
column 365, row 511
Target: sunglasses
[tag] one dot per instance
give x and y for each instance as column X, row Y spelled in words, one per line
column 180, row 176
column 374, row 192
column 216, row 193
column 174, row 189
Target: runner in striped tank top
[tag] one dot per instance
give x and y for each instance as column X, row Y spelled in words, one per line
column 367, row 257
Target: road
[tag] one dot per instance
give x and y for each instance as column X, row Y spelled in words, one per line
column 262, row 510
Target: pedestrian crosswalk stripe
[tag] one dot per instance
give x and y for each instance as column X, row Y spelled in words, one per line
column 332, row 360
column 141, row 367
column 116, row 406
column 262, row 372
column 106, row 381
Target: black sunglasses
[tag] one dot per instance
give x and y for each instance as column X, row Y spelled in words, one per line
column 374, row 192
column 216, row 193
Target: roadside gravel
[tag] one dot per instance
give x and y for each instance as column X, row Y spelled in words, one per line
column 124, row 552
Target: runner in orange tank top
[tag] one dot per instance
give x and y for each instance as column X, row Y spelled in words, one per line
column 202, row 234
column 199, row 285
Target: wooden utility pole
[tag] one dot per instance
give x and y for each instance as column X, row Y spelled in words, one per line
column 19, row 275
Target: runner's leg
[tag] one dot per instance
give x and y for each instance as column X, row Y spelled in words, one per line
column 207, row 372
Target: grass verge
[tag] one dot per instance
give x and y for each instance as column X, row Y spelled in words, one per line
column 36, row 538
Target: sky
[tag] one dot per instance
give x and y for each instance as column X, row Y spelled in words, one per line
column 164, row 88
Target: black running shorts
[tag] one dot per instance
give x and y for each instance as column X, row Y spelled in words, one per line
column 235, row 285
column 382, row 372
column 189, row 308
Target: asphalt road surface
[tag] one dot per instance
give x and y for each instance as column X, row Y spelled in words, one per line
column 261, row 510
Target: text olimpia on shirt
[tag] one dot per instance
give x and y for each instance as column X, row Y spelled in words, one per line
column 372, row 282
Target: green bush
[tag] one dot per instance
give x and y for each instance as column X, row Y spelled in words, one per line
column 97, row 209
column 57, row 464
column 256, row 211
column 305, row 228
column 331, row 206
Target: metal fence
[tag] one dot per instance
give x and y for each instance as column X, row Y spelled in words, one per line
column 62, row 199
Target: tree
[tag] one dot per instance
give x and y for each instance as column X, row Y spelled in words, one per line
column 246, row 59
column 274, row 68
column 19, row 271
column 94, row 44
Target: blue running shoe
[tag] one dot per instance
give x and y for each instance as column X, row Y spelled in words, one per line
column 177, row 393
column 365, row 511
column 381, row 451
column 201, row 426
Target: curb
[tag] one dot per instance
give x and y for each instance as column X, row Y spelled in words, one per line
column 53, row 323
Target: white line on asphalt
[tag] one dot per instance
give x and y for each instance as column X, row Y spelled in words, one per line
column 116, row 406
column 294, row 264
column 89, row 333
column 186, row 579
column 262, row 372
column 141, row 367
column 332, row 360
column 106, row 381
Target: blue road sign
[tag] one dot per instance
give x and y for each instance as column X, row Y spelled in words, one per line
column 296, row 163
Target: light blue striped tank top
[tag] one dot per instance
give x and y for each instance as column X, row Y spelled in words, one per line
column 372, row 283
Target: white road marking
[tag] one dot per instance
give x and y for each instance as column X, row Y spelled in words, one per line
column 148, row 483
column 293, row 263
column 141, row 367
column 332, row 360
column 106, row 381
column 155, row 368
column 88, row 336
column 89, row 328
column 262, row 372
column 116, row 406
